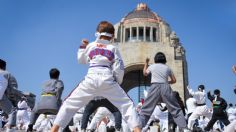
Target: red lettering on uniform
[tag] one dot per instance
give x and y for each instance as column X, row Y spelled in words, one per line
column 102, row 51
column 101, row 45
column 108, row 52
column 96, row 51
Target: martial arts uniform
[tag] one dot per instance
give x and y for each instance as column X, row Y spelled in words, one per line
column 231, row 114
column 77, row 119
column 7, row 82
column 201, row 109
column 22, row 117
column 191, row 106
column 104, row 75
column 202, row 122
column 101, row 102
column 102, row 112
column 44, row 123
column 219, row 111
column 160, row 113
column 160, row 91
column 50, row 100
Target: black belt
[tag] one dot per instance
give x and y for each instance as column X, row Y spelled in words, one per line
column 99, row 66
column 22, row 109
column 201, row 104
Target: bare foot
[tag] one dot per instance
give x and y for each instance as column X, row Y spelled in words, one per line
column 55, row 128
column 137, row 129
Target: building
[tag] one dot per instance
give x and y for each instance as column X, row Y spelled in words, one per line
column 141, row 34
column 16, row 95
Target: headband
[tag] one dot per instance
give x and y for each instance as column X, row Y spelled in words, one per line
column 98, row 35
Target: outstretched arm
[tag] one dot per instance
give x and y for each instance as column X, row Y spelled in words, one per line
column 190, row 90
column 145, row 73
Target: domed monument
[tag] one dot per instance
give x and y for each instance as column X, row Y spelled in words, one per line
column 141, row 34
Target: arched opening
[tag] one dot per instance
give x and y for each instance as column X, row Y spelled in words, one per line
column 134, row 79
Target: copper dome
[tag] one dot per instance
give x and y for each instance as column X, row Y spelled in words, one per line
column 141, row 12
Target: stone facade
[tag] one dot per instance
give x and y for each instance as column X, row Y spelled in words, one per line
column 141, row 34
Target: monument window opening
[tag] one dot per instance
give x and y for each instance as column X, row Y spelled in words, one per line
column 127, row 34
column 134, row 33
column 148, row 34
column 140, row 33
column 154, row 32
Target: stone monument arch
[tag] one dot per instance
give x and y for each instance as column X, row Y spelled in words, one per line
column 141, row 34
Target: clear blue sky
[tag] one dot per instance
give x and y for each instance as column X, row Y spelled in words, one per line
column 36, row 35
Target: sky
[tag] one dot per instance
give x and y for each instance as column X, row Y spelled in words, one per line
column 37, row 35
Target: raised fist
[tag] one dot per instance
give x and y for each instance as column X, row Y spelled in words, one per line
column 85, row 42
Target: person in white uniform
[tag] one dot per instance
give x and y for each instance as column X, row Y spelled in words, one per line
column 102, row 112
column 105, row 73
column 43, row 123
column 201, row 109
column 160, row 113
column 231, row 113
column 191, row 105
column 94, row 104
column 202, row 122
column 77, row 118
column 22, row 117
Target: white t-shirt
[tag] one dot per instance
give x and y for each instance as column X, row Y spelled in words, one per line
column 160, row 73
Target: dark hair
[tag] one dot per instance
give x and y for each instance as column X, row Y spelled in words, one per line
column 202, row 87
column 105, row 26
column 3, row 64
column 230, row 105
column 217, row 92
column 54, row 73
column 160, row 58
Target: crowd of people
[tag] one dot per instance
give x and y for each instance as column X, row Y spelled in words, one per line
column 99, row 103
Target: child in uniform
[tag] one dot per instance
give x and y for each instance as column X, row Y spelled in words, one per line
column 104, row 75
